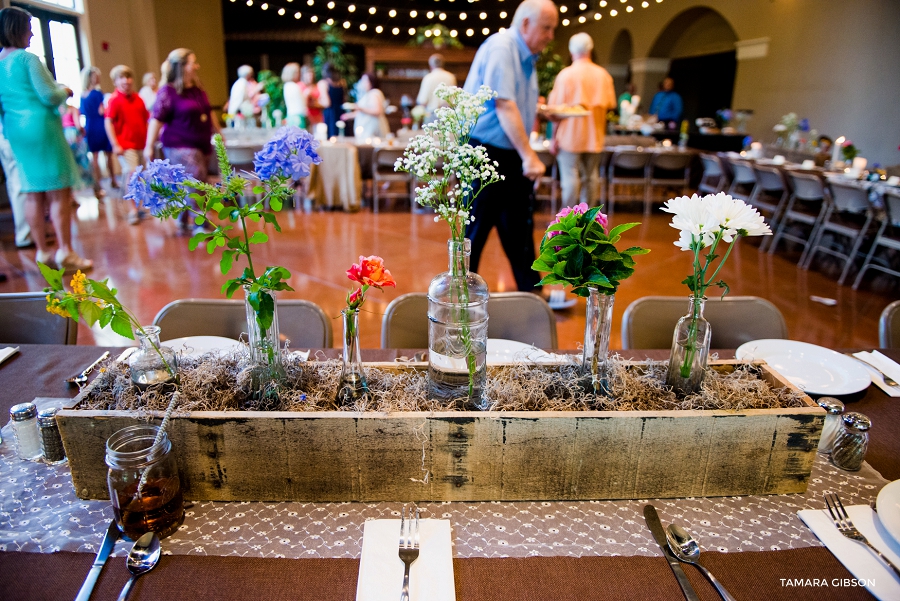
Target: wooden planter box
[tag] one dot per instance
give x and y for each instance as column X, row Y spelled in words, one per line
column 469, row 456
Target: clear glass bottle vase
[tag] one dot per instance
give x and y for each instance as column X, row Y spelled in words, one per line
column 690, row 349
column 153, row 364
column 457, row 332
column 353, row 386
column 266, row 367
column 595, row 360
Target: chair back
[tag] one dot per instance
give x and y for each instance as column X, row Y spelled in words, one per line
column 849, row 198
column 892, row 207
column 769, row 178
column 806, row 186
column 383, row 159
column 520, row 316
column 632, row 160
column 300, row 321
column 712, row 165
column 889, row 326
column 24, row 320
column 743, row 171
column 674, row 160
column 649, row 322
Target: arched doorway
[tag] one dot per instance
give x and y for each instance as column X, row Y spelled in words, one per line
column 619, row 58
column 700, row 45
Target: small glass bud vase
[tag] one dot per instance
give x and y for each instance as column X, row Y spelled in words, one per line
column 353, row 386
column 266, row 367
column 833, row 422
column 153, row 364
column 595, row 360
column 852, row 442
column 690, row 350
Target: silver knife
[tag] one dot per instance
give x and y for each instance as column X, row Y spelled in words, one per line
column 659, row 534
column 109, row 541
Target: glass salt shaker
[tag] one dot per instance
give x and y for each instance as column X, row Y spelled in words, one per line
column 28, row 439
column 852, row 441
column 51, row 442
column 833, row 410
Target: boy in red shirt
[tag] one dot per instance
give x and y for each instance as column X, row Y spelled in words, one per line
column 126, row 126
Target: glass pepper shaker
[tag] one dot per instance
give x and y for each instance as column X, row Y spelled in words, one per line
column 51, row 441
column 833, row 424
column 24, row 421
column 852, row 441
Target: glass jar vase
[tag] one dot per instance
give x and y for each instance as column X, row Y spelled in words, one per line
column 266, row 367
column 153, row 364
column 143, row 482
column 353, row 386
column 457, row 332
column 595, row 360
column 690, row 349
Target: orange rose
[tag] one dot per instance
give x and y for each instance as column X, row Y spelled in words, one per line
column 370, row 271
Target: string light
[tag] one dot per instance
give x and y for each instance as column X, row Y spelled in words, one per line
column 296, row 15
column 562, row 8
column 597, row 16
column 265, row 7
column 314, row 18
column 281, row 11
column 437, row 33
column 330, row 5
column 346, row 24
column 249, row 2
column 371, row 10
column 628, row 9
column 412, row 31
column 582, row 19
column 413, row 14
column 502, row 29
column 645, row 4
column 442, row 16
column 613, row 13
column 362, row 26
column 427, row 33
column 310, row 2
column 351, row 8
column 392, row 13
column 482, row 16
column 582, row 6
column 462, row 16
column 602, row 3
column 379, row 29
column 329, row 22
column 470, row 32
column 395, row 30
column 565, row 22
column 453, row 33
column 485, row 31
column 503, row 14
column 430, row 14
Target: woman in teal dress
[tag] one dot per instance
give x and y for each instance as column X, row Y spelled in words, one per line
column 29, row 109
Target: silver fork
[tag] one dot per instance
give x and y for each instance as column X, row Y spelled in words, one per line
column 845, row 526
column 409, row 546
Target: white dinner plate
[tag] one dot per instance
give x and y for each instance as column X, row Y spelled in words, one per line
column 512, row 351
column 194, row 346
column 888, row 506
column 564, row 304
column 813, row 369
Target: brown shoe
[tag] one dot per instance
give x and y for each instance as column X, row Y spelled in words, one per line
column 72, row 262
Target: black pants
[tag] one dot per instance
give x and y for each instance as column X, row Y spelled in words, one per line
column 508, row 205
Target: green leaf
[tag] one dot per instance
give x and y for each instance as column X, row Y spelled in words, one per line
column 725, row 289
column 101, row 291
column 540, row 265
column 621, row 228
column 226, row 261
column 635, row 250
column 53, row 276
column 258, row 238
column 563, row 240
column 106, row 316
column 199, row 219
column 90, row 312
column 265, row 312
column 230, row 287
column 609, row 254
column 196, row 239
column 259, row 190
column 121, row 326
column 210, row 245
column 275, row 203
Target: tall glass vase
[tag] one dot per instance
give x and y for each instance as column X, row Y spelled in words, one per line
column 153, row 364
column 353, row 386
column 457, row 332
column 595, row 361
column 266, row 367
column 690, row 349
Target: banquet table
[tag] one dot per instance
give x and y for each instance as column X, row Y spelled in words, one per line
column 521, row 550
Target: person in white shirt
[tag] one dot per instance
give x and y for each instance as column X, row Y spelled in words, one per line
column 294, row 96
column 430, row 83
column 369, row 119
column 148, row 92
column 245, row 89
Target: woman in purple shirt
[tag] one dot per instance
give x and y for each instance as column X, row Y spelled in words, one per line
column 183, row 113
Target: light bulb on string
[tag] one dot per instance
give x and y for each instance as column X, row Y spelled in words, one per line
column 470, row 32
column 330, row 5
column 482, row 16
column 379, row 29
column 628, row 9
column 362, row 26
column 413, row 14
column 392, row 13
column 613, row 13
column 597, row 16
column 372, row 10
column 297, row 15
column 453, row 33
column 281, row 11
column 395, row 30
column 249, row 2
column 582, row 19
column 412, row 31
column 346, row 24
column 582, row 6
column 502, row 14
column 314, row 19
column 430, row 14
column 351, row 8
column 565, row 22
column 264, row 6
column 563, row 8
column 442, row 16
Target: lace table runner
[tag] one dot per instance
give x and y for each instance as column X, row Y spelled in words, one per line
column 39, row 512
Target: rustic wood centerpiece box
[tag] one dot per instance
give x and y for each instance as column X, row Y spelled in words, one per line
column 469, row 456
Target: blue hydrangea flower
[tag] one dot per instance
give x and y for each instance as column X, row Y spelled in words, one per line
column 156, row 185
column 291, row 153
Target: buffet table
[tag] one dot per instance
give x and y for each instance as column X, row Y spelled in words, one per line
column 522, row 550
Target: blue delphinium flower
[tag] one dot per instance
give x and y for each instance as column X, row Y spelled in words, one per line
column 156, row 185
column 804, row 124
column 291, row 153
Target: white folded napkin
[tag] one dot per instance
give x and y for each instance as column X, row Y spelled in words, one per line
column 856, row 557
column 886, row 365
column 8, row 352
column 381, row 570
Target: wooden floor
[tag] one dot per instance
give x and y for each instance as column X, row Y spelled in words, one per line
column 150, row 265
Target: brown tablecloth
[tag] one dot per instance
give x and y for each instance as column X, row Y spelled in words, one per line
column 337, row 180
column 39, row 370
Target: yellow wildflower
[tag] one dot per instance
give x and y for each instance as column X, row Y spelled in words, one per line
column 53, row 306
column 78, row 283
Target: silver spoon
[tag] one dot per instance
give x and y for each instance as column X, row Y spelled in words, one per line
column 141, row 559
column 687, row 550
column 82, row 378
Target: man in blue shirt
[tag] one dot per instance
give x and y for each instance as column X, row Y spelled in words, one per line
column 667, row 105
column 506, row 63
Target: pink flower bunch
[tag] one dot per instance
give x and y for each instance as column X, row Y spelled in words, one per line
column 579, row 209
